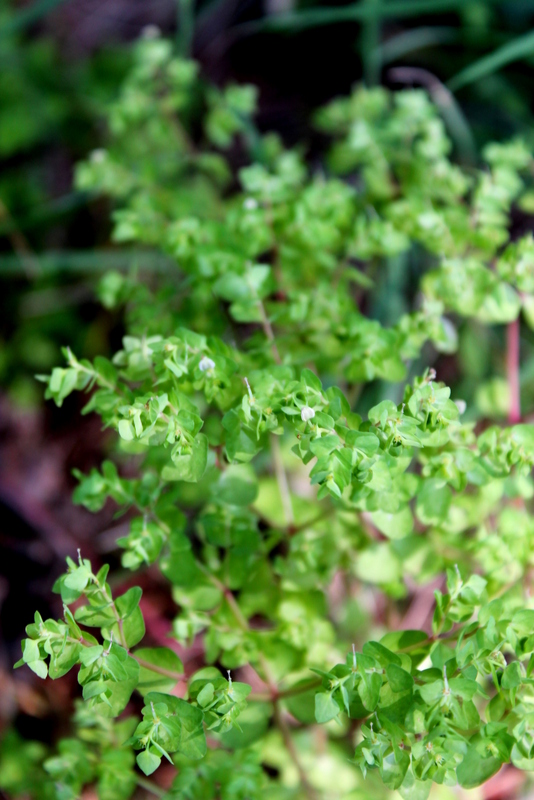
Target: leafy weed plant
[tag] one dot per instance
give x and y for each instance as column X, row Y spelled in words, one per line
column 262, row 492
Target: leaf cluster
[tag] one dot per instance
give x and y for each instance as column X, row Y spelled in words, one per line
column 260, row 486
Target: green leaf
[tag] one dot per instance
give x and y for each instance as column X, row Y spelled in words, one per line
column 241, row 445
column 393, row 769
column 512, row 677
column 362, row 442
column 88, row 655
column 238, row 485
column 253, row 723
column 302, row 705
column 164, row 661
column 126, row 430
column 78, row 579
column 475, row 769
column 523, row 622
column 326, row 707
column 405, row 640
column 118, row 692
column 520, row 760
column 148, row 762
column 377, row 565
column 380, row 653
column 30, row 650
column 371, row 683
column 395, row 526
column 132, row 629
column 412, row 789
column 495, row 709
column 39, row 667
column 433, row 502
column 185, row 721
column 205, row 696
column 128, row 602
column 190, row 467
column 311, row 380
column 399, row 679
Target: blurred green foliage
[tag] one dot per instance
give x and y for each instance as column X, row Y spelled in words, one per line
column 272, row 323
column 49, row 117
column 52, row 108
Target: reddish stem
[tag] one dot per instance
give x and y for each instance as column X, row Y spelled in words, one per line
column 512, row 371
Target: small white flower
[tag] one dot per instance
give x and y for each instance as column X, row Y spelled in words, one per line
column 461, row 405
column 206, row 363
column 250, row 204
column 98, row 156
column 151, row 32
column 307, row 413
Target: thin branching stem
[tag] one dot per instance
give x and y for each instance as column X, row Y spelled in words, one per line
column 283, row 727
column 149, row 786
column 268, row 331
column 283, row 484
column 512, row 371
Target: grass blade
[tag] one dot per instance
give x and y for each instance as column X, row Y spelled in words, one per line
column 519, row 48
column 41, row 215
column 87, row 262
column 413, row 40
column 28, row 16
column 370, row 41
column 185, row 27
column 358, row 12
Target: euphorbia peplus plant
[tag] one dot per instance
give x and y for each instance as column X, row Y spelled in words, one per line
column 259, row 482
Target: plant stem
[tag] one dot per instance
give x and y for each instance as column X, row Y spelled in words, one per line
column 268, row 330
column 120, row 622
column 512, row 371
column 29, row 261
column 229, row 597
column 236, row 611
column 268, row 677
column 283, row 485
column 185, row 27
column 168, row 673
column 144, row 783
column 436, row 638
column 292, row 750
column 328, row 512
column 258, row 697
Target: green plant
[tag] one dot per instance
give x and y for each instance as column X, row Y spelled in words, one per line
column 236, row 395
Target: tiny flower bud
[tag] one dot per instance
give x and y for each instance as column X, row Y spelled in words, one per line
column 249, row 390
column 461, row 405
column 250, row 204
column 206, row 363
column 98, row 156
column 446, row 687
column 151, row 32
column 307, row 413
